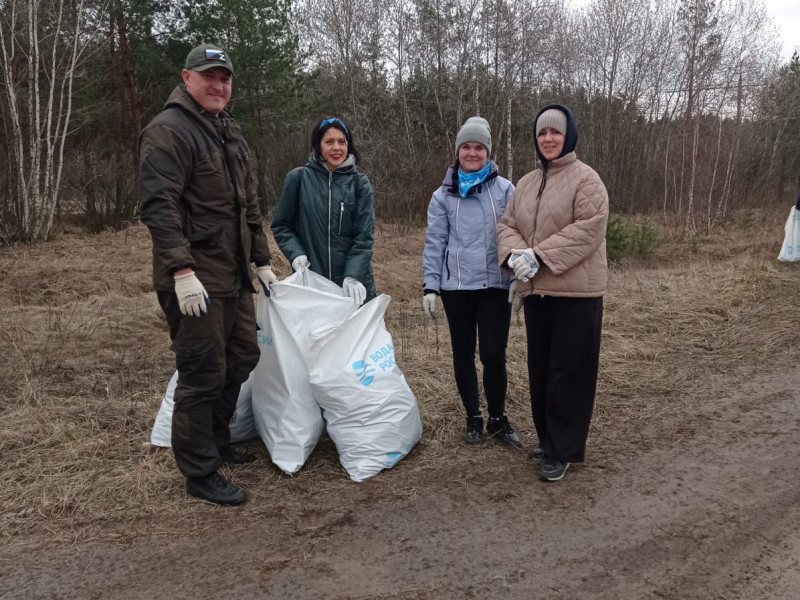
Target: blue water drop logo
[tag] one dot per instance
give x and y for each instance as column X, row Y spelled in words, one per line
column 364, row 372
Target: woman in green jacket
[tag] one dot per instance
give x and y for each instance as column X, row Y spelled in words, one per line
column 325, row 217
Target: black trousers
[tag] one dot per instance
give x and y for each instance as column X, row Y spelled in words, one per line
column 486, row 313
column 563, row 357
column 214, row 355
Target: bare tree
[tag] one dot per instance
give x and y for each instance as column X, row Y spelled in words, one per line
column 41, row 51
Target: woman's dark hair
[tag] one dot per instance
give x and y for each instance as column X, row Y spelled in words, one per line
column 323, row 126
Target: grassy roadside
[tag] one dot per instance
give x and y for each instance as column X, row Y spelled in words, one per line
column 86, row 360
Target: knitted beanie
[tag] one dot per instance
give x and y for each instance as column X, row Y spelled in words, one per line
column 475, row 129
column 552, row 118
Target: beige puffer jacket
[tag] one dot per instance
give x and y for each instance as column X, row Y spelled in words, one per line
column 566, row 227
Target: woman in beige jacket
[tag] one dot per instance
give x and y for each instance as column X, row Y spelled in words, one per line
column 552, row 237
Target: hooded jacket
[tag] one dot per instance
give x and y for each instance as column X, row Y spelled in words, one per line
column 460, row 242
column 199, row 199
column 330, row 218
column 565, row 225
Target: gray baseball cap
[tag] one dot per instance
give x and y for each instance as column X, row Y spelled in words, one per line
column 208, row 56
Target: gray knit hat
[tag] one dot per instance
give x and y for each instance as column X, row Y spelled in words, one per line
column 552, row 118
column 475, row 129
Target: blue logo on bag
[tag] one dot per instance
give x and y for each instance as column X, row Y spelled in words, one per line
column 392, row 458
column 364, row 372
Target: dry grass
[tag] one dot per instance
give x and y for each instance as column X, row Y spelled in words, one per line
column 86, row 360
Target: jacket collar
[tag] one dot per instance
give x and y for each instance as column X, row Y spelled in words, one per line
column 451, row 178
column 559, row 164
column 348, row 166
column 183, row 99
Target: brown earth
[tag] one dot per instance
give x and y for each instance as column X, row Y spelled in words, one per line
column 690, row 489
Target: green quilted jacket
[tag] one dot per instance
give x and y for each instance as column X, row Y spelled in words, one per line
column 329, row 217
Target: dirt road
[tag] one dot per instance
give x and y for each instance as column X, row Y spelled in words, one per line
column 714, row 517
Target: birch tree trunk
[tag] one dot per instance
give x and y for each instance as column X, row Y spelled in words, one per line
column 40, row 106
column 509, row 146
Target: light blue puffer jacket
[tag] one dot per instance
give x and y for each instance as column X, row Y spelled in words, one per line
column 461, row 240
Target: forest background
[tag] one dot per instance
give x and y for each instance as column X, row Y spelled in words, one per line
column 684, row 107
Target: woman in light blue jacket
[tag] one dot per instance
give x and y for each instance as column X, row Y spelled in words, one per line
column 459, row 264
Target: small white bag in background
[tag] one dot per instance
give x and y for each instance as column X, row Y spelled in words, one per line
column 790, row 251
column 241, row 424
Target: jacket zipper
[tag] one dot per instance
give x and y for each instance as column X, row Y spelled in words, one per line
column 330, row 268
column 458, row 250
column 494, row 214
column 341, row 214
column 229, row 182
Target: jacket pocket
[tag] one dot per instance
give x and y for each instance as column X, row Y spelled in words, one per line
column 206, row 236
column 211, row 175
column 447, row 264
column 344, row 217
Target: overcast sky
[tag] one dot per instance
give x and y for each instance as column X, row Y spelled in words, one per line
column 786, row 14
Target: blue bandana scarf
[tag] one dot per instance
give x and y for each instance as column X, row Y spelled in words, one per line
column 467, row 181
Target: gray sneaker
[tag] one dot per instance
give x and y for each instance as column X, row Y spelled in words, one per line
column 473, row 434
column 501, row 430
column 552, row 469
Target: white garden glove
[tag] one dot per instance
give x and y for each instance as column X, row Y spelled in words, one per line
column 429, row 304
column 192, row 296
column 355, row 290
column 514, row 300
column 300, row 263
column 524, row 263
column 265, row 277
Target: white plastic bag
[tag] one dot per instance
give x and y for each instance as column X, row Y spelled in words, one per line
column 371, row 413
column 241, row 424
column 790, row 251
column 287, row 416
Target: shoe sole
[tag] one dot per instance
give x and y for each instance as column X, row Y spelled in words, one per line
column 503, row 442
column 552, row 478
column 215, row 502
column 496, row 436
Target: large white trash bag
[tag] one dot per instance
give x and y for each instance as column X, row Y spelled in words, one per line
column 790, row 250
column 241, row 424
column 287, row 417
column 371, row 413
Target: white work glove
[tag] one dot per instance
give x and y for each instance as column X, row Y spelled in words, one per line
column 265, row 277
column 514, row 300
column 300, row 263
column 524, row 264
column 429, row 304
column 355, row 290
column 192, row 296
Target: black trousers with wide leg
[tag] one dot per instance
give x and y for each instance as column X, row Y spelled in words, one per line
column 563, row 357
column 481, row 316
column 214, row 355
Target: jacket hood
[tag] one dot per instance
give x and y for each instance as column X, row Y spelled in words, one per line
column 570, row 139
column 348, row 166
column 180, row 97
